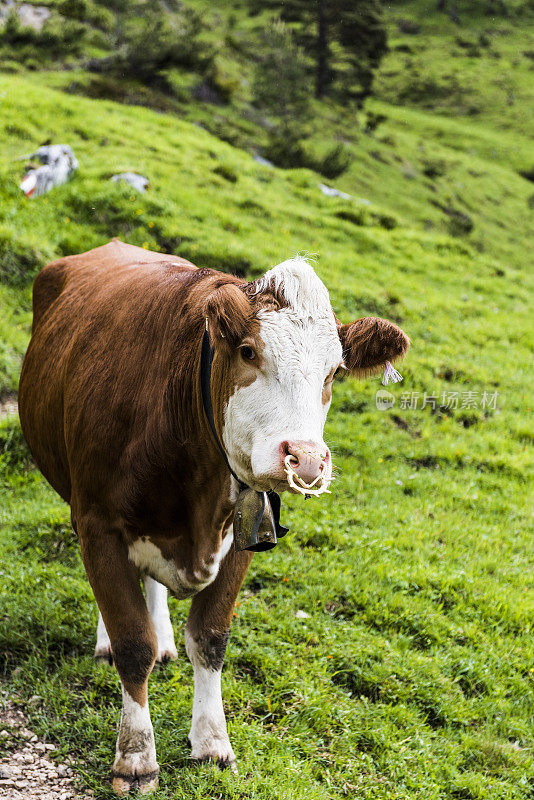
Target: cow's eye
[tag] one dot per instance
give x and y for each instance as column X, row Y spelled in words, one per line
column 248, row 353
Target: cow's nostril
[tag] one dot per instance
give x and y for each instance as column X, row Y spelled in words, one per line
column 286, row 450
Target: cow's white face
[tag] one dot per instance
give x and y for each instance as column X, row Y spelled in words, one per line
column 278, row 346
column 287, row 402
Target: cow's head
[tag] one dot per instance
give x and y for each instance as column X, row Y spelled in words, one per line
column 278, row 347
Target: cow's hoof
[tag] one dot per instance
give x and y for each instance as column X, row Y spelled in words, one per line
column 104, row 654
column 222, row 763
column 164, row 656
column 142, row 784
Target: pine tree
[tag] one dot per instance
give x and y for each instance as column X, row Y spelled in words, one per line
column 281, row 89
column 345, row 39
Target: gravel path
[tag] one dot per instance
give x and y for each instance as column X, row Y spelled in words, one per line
column 26, row 767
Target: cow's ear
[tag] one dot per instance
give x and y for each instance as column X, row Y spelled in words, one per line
column 369, row 342
column 228, row 312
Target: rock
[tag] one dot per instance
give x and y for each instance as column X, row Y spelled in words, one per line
column 409, row 171
column 30, row 16
column 302, row 614
column 58, row 164
column 137, row 182
column 263, row 161
column 30, row 774
column 329, row 191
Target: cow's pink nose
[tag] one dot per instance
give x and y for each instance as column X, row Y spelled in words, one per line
column 308, row 459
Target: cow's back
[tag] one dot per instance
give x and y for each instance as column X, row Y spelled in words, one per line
column 82, row 351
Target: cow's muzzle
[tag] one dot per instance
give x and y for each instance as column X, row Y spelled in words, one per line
column 307, row 467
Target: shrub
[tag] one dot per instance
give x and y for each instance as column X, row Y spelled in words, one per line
column 157, row 41
column 373, row 121
column 334, row 163
column 286, row 153
column 219, row 80
column 88, row 11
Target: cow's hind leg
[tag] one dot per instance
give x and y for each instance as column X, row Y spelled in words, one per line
column 134, row 645
column 206, row 635
column 103, row 644
column 156, row 599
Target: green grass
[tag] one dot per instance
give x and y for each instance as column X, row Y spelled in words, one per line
column 413, row 678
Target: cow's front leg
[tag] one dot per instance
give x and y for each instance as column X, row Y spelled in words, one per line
column 206, row 635
column 156, row 599
column 134, row 645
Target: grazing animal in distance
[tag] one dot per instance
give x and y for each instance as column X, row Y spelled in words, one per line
column 113, row 406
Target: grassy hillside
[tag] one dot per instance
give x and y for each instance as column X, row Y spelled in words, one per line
column 413, row 677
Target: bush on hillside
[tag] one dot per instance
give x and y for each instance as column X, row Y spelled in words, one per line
column 57, row 37
column 88, row 11
column 333, row 164
column 220, row 81
column 157, row 41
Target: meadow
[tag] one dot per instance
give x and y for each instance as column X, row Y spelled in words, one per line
column 412, row 677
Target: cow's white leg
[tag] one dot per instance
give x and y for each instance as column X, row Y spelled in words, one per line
column 156, row 600
column 103, row 645
column 136, row 751
column 208, row 735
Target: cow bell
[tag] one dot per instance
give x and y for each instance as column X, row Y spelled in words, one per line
column 254, row 525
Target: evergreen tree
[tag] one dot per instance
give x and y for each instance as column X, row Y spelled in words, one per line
column 345, row 38
column 281, row 89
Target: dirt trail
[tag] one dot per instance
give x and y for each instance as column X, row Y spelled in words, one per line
column 27, row 769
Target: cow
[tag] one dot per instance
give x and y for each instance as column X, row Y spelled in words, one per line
column 114, row 407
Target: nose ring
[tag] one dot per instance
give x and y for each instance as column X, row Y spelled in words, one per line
column 296, row 482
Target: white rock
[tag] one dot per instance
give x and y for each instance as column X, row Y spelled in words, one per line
column 329, row 191
column 263, row 161
column 137, row 182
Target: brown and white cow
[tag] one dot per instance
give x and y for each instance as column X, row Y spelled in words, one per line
column 111, row 408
